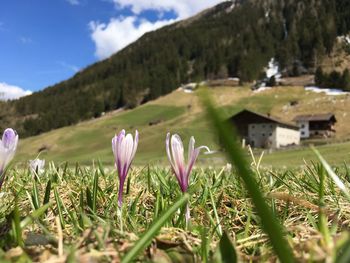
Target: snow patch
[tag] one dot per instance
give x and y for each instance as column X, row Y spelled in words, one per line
column 187, row 90
column 262, row 89
column 231, row 7
column 330, row 92
column 347, row 39
column 189, row 87
column 272, row 69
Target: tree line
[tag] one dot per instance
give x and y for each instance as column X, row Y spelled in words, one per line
column 218, row 44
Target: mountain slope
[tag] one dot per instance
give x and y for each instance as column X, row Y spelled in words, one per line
column 181, row 112
column 231, row 39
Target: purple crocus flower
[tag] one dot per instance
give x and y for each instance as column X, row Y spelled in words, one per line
column 176, row 158
column 8, row 146
column 175, row 152
column 124, row 149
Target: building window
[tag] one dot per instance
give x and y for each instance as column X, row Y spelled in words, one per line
column 302, row 133
column 263, row 135
column 270, row 134
column 252, row 143
column 271, row 126
column 253, row 126
column 303, row 126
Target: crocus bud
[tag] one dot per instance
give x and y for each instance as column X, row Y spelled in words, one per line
column 8, row 146
column 124, row 149
column 175, row 152
column 37, row 166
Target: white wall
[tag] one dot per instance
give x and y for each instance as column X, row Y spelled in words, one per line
column 270, row 135
column 286, row 136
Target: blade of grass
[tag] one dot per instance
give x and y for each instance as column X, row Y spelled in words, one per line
column 35, row 215
column 226, row 252
column 16, row 226
column 94, row 193
column 332, row 174
column 59, row 207
column 147, row 237
column 236, row 156
column 215, row 213
column 35, row 195
column 322, row 223
column 343, row 253
column 47, row 193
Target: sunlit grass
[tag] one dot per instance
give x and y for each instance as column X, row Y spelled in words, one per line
column 82, row 201
column 181, row 113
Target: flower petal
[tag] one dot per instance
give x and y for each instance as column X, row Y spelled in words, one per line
column 167, row 147
column 136, row 142
column 177, row 150
column 193, row 159
column 190, row 148
column 9, row 138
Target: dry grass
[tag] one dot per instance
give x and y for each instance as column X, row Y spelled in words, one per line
column 86, row 236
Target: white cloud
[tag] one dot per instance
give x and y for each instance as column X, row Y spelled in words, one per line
column 118, row 33
column 25, row 40
column 183, row 8
column 73, row 2
column 12, row 92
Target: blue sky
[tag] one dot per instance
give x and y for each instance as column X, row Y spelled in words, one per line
column 43, row 42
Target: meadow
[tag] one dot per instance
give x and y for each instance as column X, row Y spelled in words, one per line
column 181, row 113
column 80, row 221
column 242, row 212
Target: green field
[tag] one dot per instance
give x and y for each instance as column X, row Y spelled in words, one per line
column 251, row 212
column 182, row 113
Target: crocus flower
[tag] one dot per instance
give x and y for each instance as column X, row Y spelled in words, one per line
column 124, row 149
column 37, row 166
column 8, row 146
column 175, row 152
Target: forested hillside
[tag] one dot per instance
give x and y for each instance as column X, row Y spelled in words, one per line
column 232, row 39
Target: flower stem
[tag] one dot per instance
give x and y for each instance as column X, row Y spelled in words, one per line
column 120, row 215
column 187, row 215
column 2, row 179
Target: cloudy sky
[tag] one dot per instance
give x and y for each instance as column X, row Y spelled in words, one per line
column 45, row 42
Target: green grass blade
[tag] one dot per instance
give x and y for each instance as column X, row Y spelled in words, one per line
column 205, row 250
column 94, row 192
column 35, row 195
column 343, row 255
column 215, row 213
column 146, row 239
column 323, row 223
column 226, row 252
column 59, row 207
column 100, row 168
column 89, row 198
column 47, row 193
column 236, row 156
column 16, row 226
column 35, row 215
column 332, row 174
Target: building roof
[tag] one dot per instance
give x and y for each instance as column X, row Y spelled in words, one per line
column 316, row 117
column 264, row 117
